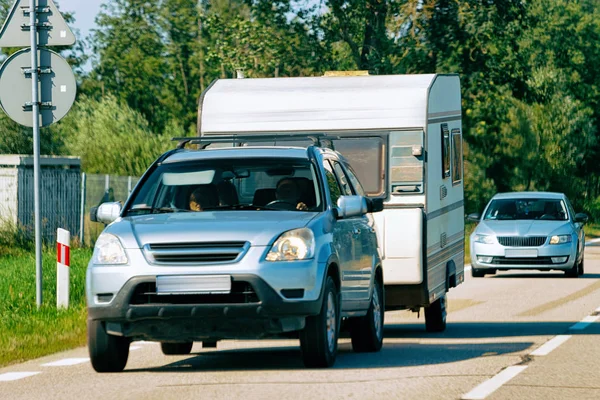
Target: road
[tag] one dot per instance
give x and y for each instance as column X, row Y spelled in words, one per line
column 494, row 326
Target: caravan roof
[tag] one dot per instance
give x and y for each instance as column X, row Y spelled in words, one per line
column 320, row 103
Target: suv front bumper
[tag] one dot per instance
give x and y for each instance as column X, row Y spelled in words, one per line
column 263, row 314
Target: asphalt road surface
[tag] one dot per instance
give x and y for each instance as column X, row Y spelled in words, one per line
column 511, row 336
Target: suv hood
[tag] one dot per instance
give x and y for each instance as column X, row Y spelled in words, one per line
column 260, row 228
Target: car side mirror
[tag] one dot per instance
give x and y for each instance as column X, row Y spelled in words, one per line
column 581, row 217
column 475, row 217
column 352, row 206
column 375, row 204
column 106, row 212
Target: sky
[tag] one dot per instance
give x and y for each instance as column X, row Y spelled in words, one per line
column 85, row 13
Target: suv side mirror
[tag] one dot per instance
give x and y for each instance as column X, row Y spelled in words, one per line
column 375, row 204
column 106, row 212
column 581, row 217
column 474, row 217
column 352, row 206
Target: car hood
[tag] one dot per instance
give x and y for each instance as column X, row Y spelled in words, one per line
column 523, row 228
column 260, row 228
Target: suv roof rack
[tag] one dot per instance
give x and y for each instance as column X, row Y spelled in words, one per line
column 318, row 139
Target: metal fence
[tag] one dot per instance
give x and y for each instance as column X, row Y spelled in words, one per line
column 97, row 189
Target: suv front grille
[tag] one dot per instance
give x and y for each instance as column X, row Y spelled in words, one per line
column 522, row 241
column 197, row 252
column 241, row 293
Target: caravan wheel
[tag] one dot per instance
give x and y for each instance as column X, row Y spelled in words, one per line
column 435, row 316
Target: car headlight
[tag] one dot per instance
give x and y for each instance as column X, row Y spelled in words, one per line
column 560, row 239
column 108, row 250
column 486, row 239
column 297, row 244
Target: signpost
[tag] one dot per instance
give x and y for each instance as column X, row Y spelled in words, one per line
column 31, row 23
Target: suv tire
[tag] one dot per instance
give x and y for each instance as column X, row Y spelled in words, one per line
column 108, row 353
column 176, row 349
column 319, row 338
column 367, row 332
column 435, row 316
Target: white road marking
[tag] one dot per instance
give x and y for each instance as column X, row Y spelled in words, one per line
column 584, row 323
column 592, row 241
column 13, row 376
column 467, row 268
column 66, row 362
column 550, row 345
column 488, row 387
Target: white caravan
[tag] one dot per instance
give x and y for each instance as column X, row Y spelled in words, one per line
column 402, row 135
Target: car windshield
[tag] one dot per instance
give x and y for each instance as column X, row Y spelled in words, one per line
column 229, row 184
column 527, row 209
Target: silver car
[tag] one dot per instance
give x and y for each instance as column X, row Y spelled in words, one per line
column 237, row 243
column 528, row 230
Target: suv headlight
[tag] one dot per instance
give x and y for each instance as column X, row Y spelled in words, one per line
column 560, row 239
column 297, row 244
column 486, row 239
column 108, row 250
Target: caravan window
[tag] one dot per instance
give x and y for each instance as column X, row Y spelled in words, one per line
column 457, row 156
column 366, row 157
column 406, row 162
column 445, row 151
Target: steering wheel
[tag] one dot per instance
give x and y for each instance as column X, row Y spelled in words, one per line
column 281, row 205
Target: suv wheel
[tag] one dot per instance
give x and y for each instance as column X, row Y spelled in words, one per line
column 176, row 349
column 367, row 332
column 108, row 353
column 435, row 316
column 318, row 340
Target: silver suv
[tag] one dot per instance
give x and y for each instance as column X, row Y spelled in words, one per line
column 237, row 243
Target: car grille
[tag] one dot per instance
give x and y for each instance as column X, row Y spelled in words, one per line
column 522, row 261
column 241, row 293
column 195, row 253
column 522, row 241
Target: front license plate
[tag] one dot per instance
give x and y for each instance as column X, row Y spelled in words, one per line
column 518, row 253
column 193, row 284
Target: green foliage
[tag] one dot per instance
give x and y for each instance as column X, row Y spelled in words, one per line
column 112, row 138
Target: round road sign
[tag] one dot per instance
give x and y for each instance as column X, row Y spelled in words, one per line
column 57, row 87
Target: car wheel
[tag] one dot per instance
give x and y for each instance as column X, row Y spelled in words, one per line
column 367, row 332
column 176, row 349
column 580, row 267
column 574, row 271
column 108, row 353
column 477, row 273
column 319, row 338
column 435, row 316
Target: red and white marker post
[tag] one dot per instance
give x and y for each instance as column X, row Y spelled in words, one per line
column 63, row 262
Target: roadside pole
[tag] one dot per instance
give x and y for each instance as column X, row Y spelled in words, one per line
column 63, row 264
column 35, row 108
column 53, row 86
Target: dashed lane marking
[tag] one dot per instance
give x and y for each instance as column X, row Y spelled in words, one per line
column 13, row 376
column 66, row 362
column 491, row 385
column 550, row 345
column 584, row 323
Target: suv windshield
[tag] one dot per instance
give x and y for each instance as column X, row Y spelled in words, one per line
column 512, row 209
column 229, row 184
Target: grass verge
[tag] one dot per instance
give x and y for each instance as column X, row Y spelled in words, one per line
column 26, row 332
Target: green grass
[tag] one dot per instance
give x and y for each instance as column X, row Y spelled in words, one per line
column 25, row 331
column 592, row 230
